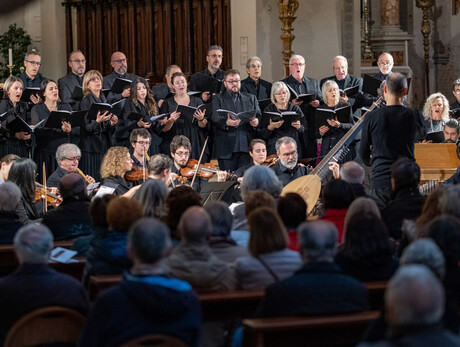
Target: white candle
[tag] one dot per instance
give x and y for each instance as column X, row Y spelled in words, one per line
column 10, row 56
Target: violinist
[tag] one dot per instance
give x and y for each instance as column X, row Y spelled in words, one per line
column 68, row 157
column 258, row 154
column 115, row 164
column 140, row 141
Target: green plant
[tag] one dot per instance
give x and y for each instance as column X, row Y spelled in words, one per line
column 17, row 39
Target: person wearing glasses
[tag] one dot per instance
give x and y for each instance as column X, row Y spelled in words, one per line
column 30, row 77
column 119, row 64
column 232, row 137
column 385, row 64
column 302, row 84
column 67, row 84
column 214, row 60
column 253, row 84
column 195, row 130
column 140, row 141
column 96, row 135
column 287, row 169
column 68, row 156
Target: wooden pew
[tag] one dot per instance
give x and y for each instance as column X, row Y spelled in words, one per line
column 437, row 161
column 376, row 291
column 339, row 330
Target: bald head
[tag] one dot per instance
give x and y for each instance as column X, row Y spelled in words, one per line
column 195, row 225
column 72, row 185
column 317, row 241
column 352, row 172
column 119, row 62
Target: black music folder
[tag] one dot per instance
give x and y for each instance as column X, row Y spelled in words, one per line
column 77, row 93
column 120, row 84
column 20, row 125
column 350, row 92
column 371, row 85
column 287, row 116
column 245, row 116
column 138, row 116
column 55, row 119
column 307, row 98
column 102, row 107
column 28, row 92
column 187, row 112
column 342, row 114
column 435, row 136
column 205, row 83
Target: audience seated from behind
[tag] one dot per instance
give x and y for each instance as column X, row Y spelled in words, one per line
column 71, row 218
column 148, row 300
column 270, row 260
column 193, row 261
column 350, row 172
column 220, row 241
column 319, row 287
column 292, row 209
column 34, row 284
column 406, row 201
column 107, row 253
column 10, row 196
column 414, row 305
column 152, row 198
column 337, row 197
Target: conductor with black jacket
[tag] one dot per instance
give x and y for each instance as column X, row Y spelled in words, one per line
column 232, row 137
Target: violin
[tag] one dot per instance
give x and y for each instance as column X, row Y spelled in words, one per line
column 41, row 194
column 205, row 171
column 271, row 160
column 137, row 174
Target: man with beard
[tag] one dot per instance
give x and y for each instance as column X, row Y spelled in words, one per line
column 287, row 169
column 120, row 68
column 451, row 131
column 67, row 84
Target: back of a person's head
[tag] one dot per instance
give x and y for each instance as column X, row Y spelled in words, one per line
column 352, row 172
column 260, row 177
column 426, row 252
column 149, row 240
column 33, row 244
column 445, row 231
column 396, row 84
column 414, row 297
column 72, row 185
column 98, row 211
column 292, row 209
column 361, row 206
column 317, row 241
column 152, row 197
column 367, row 239
column 195, row 225
column 221, row 218
column 122, row 213
column 258, row 198
column 338, row 194
column 405, row 173
column 267, row 232
column 178, row 200
column 449, row 202
column 431, row 208
column 10, row 196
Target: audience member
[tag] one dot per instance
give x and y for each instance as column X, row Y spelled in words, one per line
column 34, row 284
column 270, row 260
column 292, row 209
column 220, row 241
column 5, row 166
column 147, row 301
column 71, row 218
column 449, row 203
column 153, row 197
column 193, row 261
column 361, row 206
column 319, row 287
column 350, row 172
column 10, row 197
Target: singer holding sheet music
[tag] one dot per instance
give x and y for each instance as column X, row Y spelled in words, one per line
column 280, row 96
column 48, row 140
column 435, row 112
column 195, row 128
column 96, row 135
column 332, row 133
column 15, row 142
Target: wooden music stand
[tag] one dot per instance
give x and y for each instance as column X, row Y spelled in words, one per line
column 437, row 161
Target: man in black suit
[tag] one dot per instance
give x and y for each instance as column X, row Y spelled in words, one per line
column 304, row 85
column 67, row 84
column 232, row 137
column 254, row 84
column 165, row 90
column 385, row 64
column 456, row 93
column 30, row 77
column 319, row 287
column 34, row 284
column 120, row 67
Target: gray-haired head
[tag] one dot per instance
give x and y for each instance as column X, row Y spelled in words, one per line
column 284, row 141
column 296, row 56
column 215, row 48
column 159, row 163
column 262, row 178
column 276, row 87
column 10, row 196
column 317, row 241
column 352, row 172
column 67, row 150
column 414, row 296
column 149, row 240
column 426, row 252
column 254, row 58
column 221, row 218
column 33, row 244
column 32, row 52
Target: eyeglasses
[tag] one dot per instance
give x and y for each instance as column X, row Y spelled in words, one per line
column 119, row 61
column 34, row 63
column 281, row 93
column 73, row 159
column 384, row 63
column 215, row 56
column 287, row 155
column 255, row 66
column 182, row 154
column 95, row 78
column 298, row 64
column 233, row 81
column 78, row 61
column 143, row 143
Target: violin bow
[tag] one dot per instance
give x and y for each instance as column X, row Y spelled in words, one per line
column 45, row 205
column 199, row 161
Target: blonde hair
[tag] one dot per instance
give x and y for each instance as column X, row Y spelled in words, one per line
column 328, row 84
column 113, row 162
column 90, row 74
column 9, row 83
column 427, row 107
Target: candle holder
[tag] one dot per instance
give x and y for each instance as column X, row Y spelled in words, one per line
column 287, row 10
column 11, row 69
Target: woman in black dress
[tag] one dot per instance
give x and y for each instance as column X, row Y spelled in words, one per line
column 48, row 140
column 140, row 101
column 280, row 96
column 435, row 112
column 196, row 131
column 14, row 142
column 96, row 135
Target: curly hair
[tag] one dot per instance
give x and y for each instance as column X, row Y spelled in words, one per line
column 113, row 162
column 150, row 102
column 429, row 101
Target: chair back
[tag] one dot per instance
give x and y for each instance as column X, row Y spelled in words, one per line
column 157, row 340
